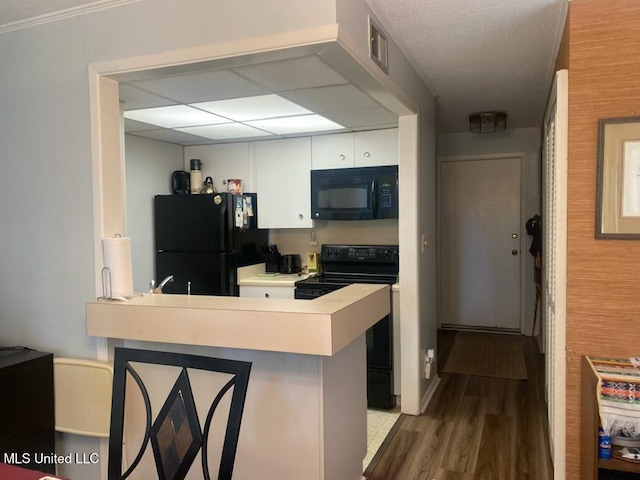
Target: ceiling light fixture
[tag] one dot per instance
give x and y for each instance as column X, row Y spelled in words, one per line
column 485, row 122
column 174, row 116
column 252, row 108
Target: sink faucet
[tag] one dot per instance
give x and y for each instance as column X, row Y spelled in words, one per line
column 158, row 289
column 165, row 281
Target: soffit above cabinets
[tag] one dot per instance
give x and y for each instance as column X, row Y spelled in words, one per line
column 275, row 99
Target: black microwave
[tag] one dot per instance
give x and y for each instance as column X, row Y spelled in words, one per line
column 367, row 193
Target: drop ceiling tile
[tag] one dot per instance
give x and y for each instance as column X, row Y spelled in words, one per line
column 174, row 116
column 135, row 126
column 293, row 74
column 294, row 125
column 172, row 136
column 226, row 131
column 328, row 99
column 364, row 117
column 133, row 98
column 253, row 108
column 202, row 86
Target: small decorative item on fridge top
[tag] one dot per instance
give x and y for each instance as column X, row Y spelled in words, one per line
column 207, row 187
column 195, row 175
column 234, row 186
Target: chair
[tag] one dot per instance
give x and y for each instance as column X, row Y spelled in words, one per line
column 175, row 433
column 82, row 392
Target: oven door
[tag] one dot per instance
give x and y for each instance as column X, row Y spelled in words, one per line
column 379, row 338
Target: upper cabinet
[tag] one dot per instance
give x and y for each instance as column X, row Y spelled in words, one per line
column 222, row 162
column 359, row 149
column 332, row 151
column 283, row 169
column 376, row 147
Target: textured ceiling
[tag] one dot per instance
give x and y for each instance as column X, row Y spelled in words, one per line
column 480, row 55
column 475, row 55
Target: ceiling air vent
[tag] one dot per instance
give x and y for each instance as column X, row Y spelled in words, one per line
column 378, row 47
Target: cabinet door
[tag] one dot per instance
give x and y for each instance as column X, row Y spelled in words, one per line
column 376, row 147
column 221, row 162
column 332, row 151
column 266, row 292
column 283, row 171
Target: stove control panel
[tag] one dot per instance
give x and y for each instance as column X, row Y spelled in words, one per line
column 360, row 253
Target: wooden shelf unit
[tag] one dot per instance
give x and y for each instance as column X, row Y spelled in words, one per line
column 591, row 464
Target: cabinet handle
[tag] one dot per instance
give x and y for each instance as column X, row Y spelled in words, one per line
column 301, row 216
column 342, row 157
column 266, row 295
column 366, row 154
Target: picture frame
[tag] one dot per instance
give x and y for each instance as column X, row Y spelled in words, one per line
column 618, row 180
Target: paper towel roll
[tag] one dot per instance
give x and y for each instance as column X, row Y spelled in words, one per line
column 117, row 258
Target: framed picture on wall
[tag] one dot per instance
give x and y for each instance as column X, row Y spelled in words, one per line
column 618, row 182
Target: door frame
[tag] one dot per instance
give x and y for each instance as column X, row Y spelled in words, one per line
column 522, row 233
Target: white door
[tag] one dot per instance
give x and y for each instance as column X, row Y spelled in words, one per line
column 554, row 265
column 480, row 243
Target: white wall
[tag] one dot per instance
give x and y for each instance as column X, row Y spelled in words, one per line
column 417, row 200
column 47, row 240
column 46, row 264
column 519, row 140
column 148, row 166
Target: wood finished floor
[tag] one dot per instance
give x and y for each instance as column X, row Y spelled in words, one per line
column 475, row 428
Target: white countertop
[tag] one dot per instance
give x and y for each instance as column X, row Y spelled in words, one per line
column 274, row 279
column 254, row 275
column 322, row 326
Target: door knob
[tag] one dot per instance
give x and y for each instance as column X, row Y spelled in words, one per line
column 514, row 252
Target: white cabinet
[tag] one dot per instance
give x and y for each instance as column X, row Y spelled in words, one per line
column 266, row 292
column 332, row 151
column 283, row 169
column 376, row 147
column 223, row 161
column 360, row 149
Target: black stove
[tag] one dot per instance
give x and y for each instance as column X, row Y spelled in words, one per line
column 344, row 265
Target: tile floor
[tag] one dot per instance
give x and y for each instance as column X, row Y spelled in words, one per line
column 379, row 423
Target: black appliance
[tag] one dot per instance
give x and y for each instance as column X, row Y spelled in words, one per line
column 367, row 193
column 197, row 241
column 343, row 265
column 291, row 264
column 180, row 183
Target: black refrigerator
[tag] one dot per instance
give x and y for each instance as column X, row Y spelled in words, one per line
column 202, row 239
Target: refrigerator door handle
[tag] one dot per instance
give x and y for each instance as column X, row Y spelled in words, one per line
column 226, row 227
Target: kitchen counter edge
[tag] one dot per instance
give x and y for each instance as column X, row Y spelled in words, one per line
column 322, row 326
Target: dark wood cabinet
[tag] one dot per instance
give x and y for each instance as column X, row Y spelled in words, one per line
column 26, row 408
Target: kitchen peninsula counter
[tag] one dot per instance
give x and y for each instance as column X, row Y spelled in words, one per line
column 321, row 326
column 305, row 414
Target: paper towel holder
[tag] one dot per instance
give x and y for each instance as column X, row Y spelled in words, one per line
column 106, row 288
column 106, row 283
